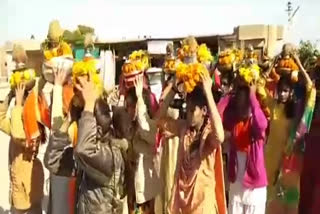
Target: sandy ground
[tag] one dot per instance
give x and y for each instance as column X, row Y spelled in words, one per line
column 4, row 175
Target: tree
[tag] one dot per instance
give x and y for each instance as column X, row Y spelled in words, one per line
column 77, row 36
column 308, row 53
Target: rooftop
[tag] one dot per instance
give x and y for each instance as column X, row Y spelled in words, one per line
column 28, row 44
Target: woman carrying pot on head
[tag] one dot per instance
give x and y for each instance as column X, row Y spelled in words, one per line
column 27, row 130
column 143, row 171
column 289, row 122
column 198, row 182
column 247, row 124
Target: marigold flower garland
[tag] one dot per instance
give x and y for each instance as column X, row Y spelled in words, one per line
column 288, row 64
column 63, row 49
column 190, row 73
column 170, row 65
column 138, row 61
column 21, row 76
column 228, row 58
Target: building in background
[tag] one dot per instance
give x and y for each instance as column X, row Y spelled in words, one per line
column 262, row 37
column 33, row 49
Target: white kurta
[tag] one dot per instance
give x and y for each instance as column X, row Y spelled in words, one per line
column 244, row 200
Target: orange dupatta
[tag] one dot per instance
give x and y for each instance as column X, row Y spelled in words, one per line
column 220, row 186
column 35, row 111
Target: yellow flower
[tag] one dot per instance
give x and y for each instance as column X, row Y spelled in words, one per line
column 11, row 81
column 83, row 68
column 204, row 54
column 139, row 60
column 17, row 78
column 20, row 76
column 230, row 56
column 136, row 55
column 188, row 87
column 182, row 69
column 170, row 65
column 145, row 61
column 249, row 73
column 133, row 55
column 190, row 74
column 139, row 65
column 66, row 49
column 63, row 49
column 27, row 76
column 48, row 54
column 186, row 49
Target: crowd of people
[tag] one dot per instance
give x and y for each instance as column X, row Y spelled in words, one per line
column 244, row 140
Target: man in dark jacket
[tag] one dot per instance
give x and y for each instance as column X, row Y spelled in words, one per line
column 98, row 156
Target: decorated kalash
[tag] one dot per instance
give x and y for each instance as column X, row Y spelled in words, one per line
column 136, row 65
column 283, row 64
column 229, row 60
column 58, row 56
column 245, row 67
column 29, row 117
column 226, row 66
column 170, row 63
column 249, row 70
column 286, row 64
column 194, row 61
column 57, row 53
column 250, row 73
column 189, row 63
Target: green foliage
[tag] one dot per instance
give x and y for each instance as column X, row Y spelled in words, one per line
column 308, row 53
column 85, row 29
column 77, row 36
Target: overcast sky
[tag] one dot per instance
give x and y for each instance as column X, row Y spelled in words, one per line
column 115, row 19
